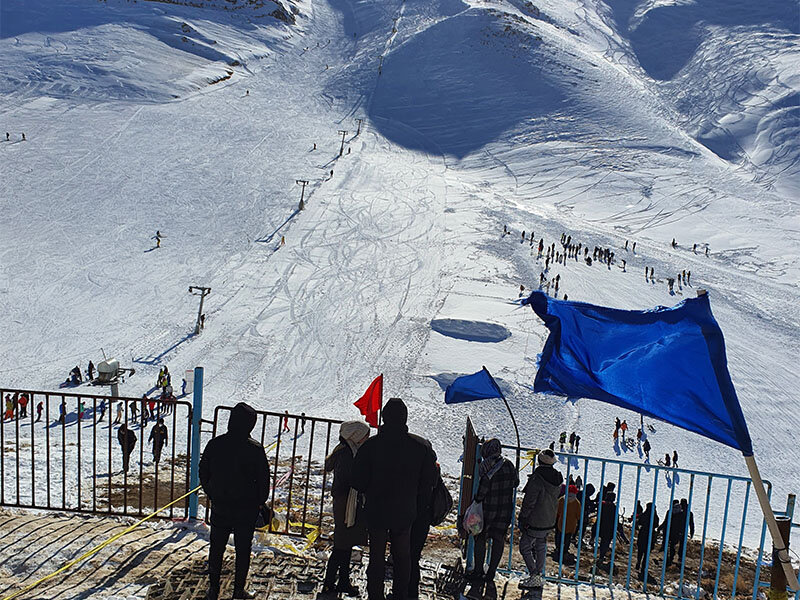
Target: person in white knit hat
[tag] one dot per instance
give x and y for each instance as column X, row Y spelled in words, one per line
column 537, row 517
column 350, row 527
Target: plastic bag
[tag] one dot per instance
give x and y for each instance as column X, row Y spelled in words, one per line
column 473, row 518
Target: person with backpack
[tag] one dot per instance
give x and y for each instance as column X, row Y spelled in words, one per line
column 433, row 505
column 235, row 475
column 497, row 481
column 349, row 525
column 537, row 517
column 158, row 437
column 392, row 469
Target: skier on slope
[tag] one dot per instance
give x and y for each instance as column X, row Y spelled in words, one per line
column 39, row 408
column 157, row 238
column 646, row 448
column 674, row 458
column 562, row 439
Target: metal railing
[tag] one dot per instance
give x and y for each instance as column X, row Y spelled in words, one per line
column 716, row 563
column 60, row 451
column 296, row 447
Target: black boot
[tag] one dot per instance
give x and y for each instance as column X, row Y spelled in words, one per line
column 213, row 592
column 345, row 587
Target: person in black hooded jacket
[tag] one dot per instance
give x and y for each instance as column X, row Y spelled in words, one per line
column 127, row 441
column 391, row 469
column 234, row 473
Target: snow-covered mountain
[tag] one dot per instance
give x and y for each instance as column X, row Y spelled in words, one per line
column 610, row 121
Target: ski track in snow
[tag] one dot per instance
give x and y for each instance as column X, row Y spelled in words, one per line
column 408, row 228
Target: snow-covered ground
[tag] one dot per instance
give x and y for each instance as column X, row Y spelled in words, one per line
column 610, row 121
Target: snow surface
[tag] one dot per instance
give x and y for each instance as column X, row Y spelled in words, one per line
column 610, row 121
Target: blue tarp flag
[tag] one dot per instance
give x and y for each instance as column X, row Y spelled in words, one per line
column 477, row 386
column 668, row 363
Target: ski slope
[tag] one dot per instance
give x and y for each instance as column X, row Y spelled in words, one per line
column 609, row 121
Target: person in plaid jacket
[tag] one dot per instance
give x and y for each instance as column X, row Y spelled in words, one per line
column 498, row 480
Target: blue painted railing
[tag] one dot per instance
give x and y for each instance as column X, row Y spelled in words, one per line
column 723, row 509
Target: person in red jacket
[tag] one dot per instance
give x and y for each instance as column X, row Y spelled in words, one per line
column 23, row 405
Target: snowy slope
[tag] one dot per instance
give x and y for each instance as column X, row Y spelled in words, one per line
column 550, row 118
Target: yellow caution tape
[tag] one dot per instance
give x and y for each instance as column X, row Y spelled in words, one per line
column 311, row 537
column 97, row 549
column 530, row 456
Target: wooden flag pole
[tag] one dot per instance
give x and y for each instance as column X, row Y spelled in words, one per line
column 508, row 408
column 772, row 525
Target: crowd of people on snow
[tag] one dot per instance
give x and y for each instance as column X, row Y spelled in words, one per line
column 128, row 414
column 568, row 248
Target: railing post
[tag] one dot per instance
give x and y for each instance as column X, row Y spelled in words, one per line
column 777, row 582
column 197, row 413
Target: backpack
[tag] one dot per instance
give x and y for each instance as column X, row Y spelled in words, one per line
column 441, row 502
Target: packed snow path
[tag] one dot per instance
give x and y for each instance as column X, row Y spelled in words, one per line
column 476, row 116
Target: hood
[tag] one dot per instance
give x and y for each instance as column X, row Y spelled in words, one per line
column 242, row 420
column 549, row 475
column 395, row 415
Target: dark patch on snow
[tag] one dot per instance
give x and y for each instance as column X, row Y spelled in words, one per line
column 474, row 331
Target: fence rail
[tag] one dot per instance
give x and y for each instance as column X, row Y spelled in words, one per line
column 672, row 561
column 61, row 451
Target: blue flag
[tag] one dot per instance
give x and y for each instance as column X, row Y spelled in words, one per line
column 668, row 363
column 478, row 386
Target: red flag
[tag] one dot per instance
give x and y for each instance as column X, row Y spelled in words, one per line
column 371, row 402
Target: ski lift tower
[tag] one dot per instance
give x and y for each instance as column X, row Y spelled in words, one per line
column 197, row 290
